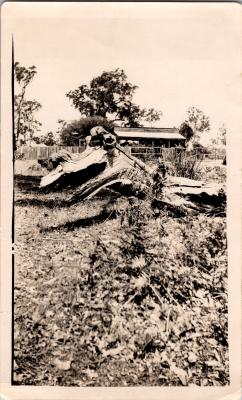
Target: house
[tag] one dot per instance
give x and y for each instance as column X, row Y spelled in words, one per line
column 150, row 137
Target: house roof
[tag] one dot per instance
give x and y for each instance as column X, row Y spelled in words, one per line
column 148, row 133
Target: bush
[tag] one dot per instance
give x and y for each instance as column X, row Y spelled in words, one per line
column 180, row 162
column 215, row 173
column 169, row 279
column 18, row 155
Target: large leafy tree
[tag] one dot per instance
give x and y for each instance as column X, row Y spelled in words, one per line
column 110, row 96
column 25, row 123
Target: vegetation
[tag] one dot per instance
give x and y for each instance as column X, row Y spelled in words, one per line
column 110, row 96
column 220, row 139
column 111, row 294
column 198, row 122
column 186, row 131
column 25, row 123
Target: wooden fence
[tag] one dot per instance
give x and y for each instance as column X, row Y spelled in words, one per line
column 43, row 152
column 144, row 152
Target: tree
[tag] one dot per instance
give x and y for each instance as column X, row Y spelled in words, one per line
column 186, row 131
column 71, row 133
column 152, row 115
column 27, row 124
column 110, row 96
column 49, row 139
column 222, row 134
column 198, row 122
column 220, row 138
column 24, row 110
column 39, row 139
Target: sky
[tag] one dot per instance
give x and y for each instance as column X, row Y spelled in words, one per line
column 179, row 54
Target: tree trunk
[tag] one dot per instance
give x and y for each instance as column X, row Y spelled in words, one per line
column 175, row 194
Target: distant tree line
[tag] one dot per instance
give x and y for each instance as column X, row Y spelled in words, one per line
column 107, row 100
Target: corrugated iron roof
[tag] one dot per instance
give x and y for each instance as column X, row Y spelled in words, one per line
column 148, row 133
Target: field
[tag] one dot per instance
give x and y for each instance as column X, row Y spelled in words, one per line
column 107, row 294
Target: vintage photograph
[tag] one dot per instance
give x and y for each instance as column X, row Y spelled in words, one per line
column 121, row 115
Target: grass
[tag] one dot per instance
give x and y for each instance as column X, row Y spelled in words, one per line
column 108, row 295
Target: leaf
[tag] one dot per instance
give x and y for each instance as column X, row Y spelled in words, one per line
column 113, row 352
column 192, row 358
column 139, row 262
column 49, row 314
column 181, row 373
column 63, row 365
column 140, row 282
column 49, row 282
column 36, row 317
column 90, row 373
column 211, row 363
column 58, row 335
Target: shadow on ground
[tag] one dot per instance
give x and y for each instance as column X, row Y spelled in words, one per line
column 48, row 203
column 82, row 222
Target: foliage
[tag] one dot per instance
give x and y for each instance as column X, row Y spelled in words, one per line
column 50, row 139
column 199, row 149
column 213, row 173
column 197, row 121
column 223, row 134
column 152, row 115
column 110, row 96
column 220, row 139
column 27, row 124
column 39, row 139
column 24, row 110
column 190, row 164
column 186, row 131
column 182, row 163
column 134, row 300
column 71, row 133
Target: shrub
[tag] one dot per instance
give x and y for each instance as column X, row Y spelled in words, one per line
column 180, row 162
column 215, row 173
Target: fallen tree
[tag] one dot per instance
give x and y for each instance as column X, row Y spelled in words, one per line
column 110, row 166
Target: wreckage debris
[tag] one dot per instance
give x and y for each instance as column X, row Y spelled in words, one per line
column 110, row 166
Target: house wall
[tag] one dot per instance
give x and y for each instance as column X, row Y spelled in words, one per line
column 155, row 142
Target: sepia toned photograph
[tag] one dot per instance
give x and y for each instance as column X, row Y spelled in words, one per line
column 121, row 117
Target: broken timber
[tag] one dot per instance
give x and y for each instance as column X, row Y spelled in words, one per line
column 99, row 168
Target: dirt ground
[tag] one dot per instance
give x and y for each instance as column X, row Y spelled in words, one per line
column 108, row 295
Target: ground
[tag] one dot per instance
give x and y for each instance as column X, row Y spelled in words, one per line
column 106, row 294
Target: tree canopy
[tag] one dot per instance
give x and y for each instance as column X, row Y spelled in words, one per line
column 110, row 96
column 24, row 110
column 197, row 121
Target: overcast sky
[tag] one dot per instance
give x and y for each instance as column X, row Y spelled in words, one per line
column 180, row 55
